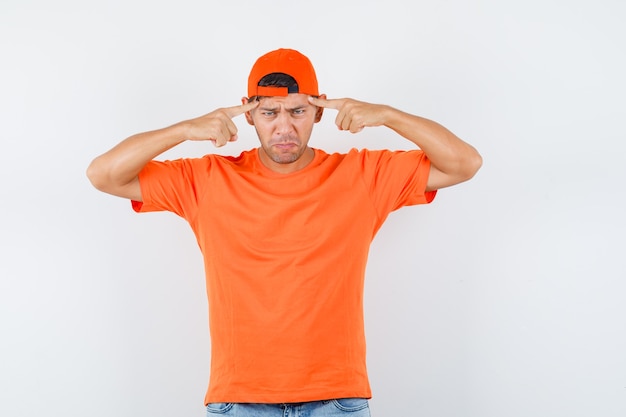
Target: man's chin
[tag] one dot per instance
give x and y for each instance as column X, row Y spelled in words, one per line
column 284, row 159
column 284, row 155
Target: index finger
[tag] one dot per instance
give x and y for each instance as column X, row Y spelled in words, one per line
column 240, row 109
column 327, row 103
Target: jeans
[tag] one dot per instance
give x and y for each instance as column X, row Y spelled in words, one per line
column 344, row 407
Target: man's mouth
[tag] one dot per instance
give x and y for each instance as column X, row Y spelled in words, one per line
column 285, row 145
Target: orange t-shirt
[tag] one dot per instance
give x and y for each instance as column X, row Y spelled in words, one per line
column 285, row 258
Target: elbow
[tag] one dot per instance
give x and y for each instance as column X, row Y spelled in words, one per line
column 473, row 164
column 468, row 166
column 106, row 178
column 96, row 175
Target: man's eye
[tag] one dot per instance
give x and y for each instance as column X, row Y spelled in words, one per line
column 268, row 113
column 298, row 111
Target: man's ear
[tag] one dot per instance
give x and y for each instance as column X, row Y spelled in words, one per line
column 320, row 110
column 245, row 100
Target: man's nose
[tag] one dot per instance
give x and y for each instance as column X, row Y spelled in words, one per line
column 283, row 123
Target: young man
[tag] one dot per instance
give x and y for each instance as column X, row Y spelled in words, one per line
column 285, row 231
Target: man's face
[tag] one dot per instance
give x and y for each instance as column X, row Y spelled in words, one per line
column 284, row 126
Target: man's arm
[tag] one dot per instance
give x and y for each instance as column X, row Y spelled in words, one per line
column 116, row 171
column 452, row 160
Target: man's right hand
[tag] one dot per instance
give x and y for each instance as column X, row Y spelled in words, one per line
column 217, row 126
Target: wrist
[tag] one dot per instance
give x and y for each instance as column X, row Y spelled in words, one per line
column 182, row 131
column 391, row 117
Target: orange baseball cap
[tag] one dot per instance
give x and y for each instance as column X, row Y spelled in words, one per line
column 287, row 61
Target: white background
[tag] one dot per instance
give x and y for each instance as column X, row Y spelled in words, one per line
column 505, row 297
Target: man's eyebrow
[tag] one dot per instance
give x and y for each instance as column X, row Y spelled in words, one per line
column 289, row 109
column 300, row 107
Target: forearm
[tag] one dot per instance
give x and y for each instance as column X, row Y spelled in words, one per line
column 446, row 152
column 121, row 165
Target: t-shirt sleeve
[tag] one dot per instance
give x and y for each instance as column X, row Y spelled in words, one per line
column 397, row 178
column 171, row 186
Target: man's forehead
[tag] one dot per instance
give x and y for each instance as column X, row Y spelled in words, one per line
column 290, row 101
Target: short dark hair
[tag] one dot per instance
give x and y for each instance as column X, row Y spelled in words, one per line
column 276, row 79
